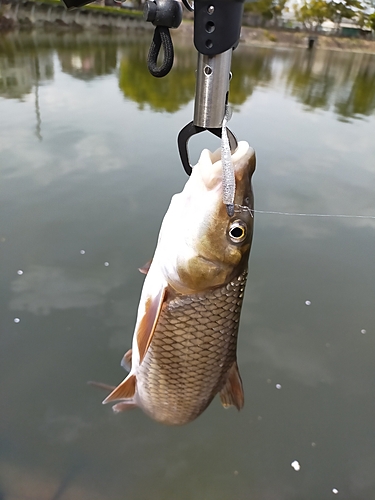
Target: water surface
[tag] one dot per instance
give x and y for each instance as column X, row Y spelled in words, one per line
column 88, row 165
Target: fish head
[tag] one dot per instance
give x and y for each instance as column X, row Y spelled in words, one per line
column 200, row 245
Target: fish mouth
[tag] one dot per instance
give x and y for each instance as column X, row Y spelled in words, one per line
column 211, row 170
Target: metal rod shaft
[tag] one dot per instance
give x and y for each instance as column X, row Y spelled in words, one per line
column 212, row 88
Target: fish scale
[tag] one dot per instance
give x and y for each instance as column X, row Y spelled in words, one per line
column 191, row 352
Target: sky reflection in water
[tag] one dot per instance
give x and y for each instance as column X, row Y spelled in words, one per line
column 89, row 162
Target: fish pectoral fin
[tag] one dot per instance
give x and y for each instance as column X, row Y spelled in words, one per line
column 126, row 361
column 144, row 269
column 232, row 392
column 147, row 324
column 125, row 390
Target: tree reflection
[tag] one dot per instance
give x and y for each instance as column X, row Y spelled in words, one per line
column 311, row 81
column 338, row 81
column 88, row 61
column 161, row 94
column 250, row 69
column 358, row 98
column 332, row 80
column 21, row 68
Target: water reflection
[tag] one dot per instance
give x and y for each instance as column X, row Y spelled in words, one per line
column 325, row 80
column 88, row 62
column 43, row 288
column 100, row 181
column 311, row 81
column 359, row 98
column 20, row 71
column 161, row 94
column 250, row 69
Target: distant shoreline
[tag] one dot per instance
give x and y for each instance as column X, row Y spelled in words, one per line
column 299, row 39
column 260, row 37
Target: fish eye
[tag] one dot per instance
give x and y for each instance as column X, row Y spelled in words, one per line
column 237, row 231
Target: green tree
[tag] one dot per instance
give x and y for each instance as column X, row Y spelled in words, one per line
column 312, row 13
column 268, row 9
column 339, row 9
column 371, row 21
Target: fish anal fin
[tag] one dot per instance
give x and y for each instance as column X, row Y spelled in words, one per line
column 149, row 321
column 125, row 390
column 126, row 361
column 232, row 392
column 144, row 269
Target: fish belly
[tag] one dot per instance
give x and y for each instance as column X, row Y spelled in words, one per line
column 192, row 350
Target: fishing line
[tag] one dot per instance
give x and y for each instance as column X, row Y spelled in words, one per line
column 342, row 216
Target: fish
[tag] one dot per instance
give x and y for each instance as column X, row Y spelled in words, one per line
column 184, row 348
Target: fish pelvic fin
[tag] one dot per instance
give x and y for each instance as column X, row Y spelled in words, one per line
column 126, row 361
column 123, row 406
column 149, row 321
column 232, row 392
column 144, row 269
column 125, row 390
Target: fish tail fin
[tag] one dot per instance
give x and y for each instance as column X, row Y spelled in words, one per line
column 232, row 392
column 125, row 390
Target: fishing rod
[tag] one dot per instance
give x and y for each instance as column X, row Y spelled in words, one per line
column 217, row 27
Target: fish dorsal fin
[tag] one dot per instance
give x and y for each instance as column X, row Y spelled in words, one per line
column 144, row 269
column 125, row 390
column 147, row 324
column 232, row 392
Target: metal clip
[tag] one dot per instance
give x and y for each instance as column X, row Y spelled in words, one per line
column 188, row 131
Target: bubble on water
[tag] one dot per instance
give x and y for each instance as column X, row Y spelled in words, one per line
column 308, row 302
column 296, row 466
column 20, row 272
column 16, row 320
column 82, row 252
column 106, row 264
column 278, row 386
column 313, row 444
column 363, row 331
column 335, row 491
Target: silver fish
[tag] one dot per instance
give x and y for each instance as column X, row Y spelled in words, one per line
column 185, row 340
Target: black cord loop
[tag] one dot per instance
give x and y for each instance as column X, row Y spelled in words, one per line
column 162, row 37
column 190, row 7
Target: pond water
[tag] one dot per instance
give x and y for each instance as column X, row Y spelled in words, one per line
column 88, row 165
